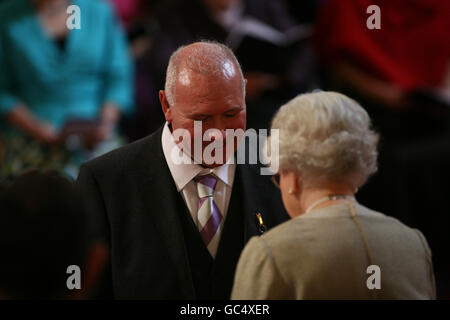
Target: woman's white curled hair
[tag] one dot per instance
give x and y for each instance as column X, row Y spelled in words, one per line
column 326, row 137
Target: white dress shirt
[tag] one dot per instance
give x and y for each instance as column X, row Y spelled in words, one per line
column 183, row 175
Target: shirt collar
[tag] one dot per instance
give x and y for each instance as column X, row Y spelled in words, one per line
column 185, row 172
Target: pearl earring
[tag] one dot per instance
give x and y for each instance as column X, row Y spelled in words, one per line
column 290, row 191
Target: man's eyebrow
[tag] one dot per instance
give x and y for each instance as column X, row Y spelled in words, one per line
column 232, row 109
column 199, row 115
column 235, row 108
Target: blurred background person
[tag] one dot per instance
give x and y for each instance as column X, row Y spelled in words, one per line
column 128, row 10
column 139, row 22
column 62, row 92
column 43, row 231
column 271, row 45
column 304, row 11
column 400, row 74
column 327, row 150
column 387, row 66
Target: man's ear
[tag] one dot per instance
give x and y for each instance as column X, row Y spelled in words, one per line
column 165, row 106
column 245, row 88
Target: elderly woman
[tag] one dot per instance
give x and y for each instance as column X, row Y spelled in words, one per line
column 333, row 247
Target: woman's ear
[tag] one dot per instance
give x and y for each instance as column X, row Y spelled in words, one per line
column 167, row 110
column 291, row 182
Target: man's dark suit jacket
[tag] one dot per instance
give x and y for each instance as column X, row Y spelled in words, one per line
column 156, row 251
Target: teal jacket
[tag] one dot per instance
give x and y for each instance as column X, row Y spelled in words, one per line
column 59, row 84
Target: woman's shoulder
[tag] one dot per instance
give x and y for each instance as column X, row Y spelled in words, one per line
column 389, row 227
column 289, row 234
column 328, row 224
column 378, row 217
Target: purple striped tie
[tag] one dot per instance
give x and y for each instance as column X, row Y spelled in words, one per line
column 209, row 216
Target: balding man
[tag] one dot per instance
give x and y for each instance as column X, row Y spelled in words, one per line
column 176, row 229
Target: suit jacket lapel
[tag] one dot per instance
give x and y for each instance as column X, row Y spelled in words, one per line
column 259, row 195
column 249, row 202
column 160, row 198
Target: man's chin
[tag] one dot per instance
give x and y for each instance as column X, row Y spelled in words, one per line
column 211, row 166
column 216, row 164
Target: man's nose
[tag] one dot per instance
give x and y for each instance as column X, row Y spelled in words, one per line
column 212, row 134
column 218, row 124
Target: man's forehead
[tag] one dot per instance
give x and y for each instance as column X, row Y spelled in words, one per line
column 228, row 69
column 225, row 69
column 208, row 107
column 193, row 85
column 209, row 99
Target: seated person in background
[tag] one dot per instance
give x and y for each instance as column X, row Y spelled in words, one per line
column 137, row 18
column 326, row 151
column 249, row 28
column 61, row 87
column 43, row 231
column 387, row 67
